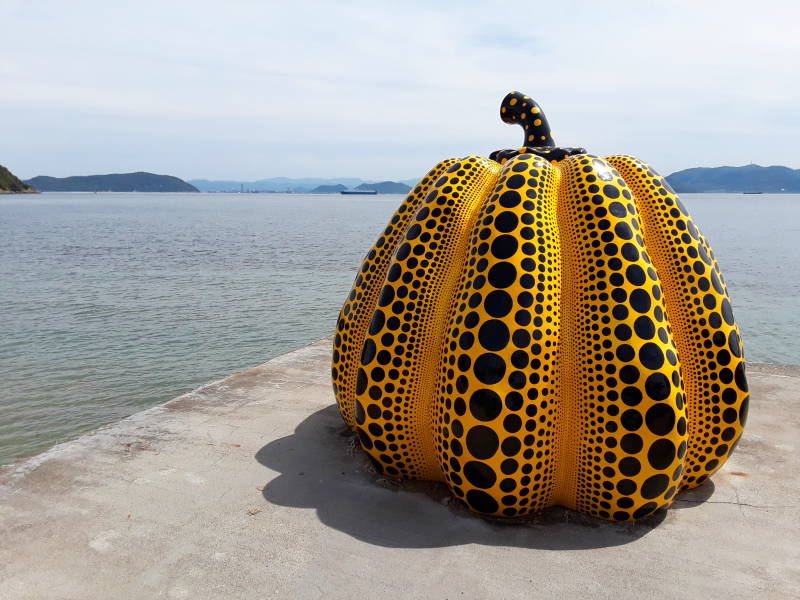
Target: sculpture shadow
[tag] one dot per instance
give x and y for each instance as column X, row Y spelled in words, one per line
column 322, row 467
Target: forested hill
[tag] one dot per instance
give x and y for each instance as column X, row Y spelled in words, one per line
column 750, row 178
column 9, row 184
column 121, row 182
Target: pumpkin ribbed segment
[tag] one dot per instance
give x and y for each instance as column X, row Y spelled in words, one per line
column 624, row 393
column 395, row 383
column 705, row 332
column 495, row 419
column 357, row 310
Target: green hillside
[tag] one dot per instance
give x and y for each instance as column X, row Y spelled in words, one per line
column 117, row 182
column 9, row 184
column 750, row 178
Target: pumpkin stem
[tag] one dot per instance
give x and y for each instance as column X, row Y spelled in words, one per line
column 517, row 108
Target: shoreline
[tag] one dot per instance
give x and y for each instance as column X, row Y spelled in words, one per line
column 21, row 464
column 251, row 485
column 24, row 464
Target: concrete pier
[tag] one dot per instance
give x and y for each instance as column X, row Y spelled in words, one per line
column 251, row 487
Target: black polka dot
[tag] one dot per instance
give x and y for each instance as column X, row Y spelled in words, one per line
column 617, row 209
column 359, row 413
column 479, row 474
column 502, row 275
column 489, row 368
column 512, row 423
column 631, row 420
column 640, row 300
column 363, row 437
column 481, row 501
column 629, row 374
column 485, row 405
column 734, row 343
column 727, row 312
column 631, row 396
column 630, row 252
column 631, row 443
column 387, row 296
column 661, row 454
column 506, row 221
column 504, row 246
column 655, row 485
column 651, row 356
column 511, row 446
column 657, row 386
column 623, row 230
column 625, row 353
column 660, row 419
column 498, row 303
column 493, row 335
column 515, row 182
column 368, row 352
column 635, row 274
column 482, row 442
column 743, row 411
column 466, row 340
column 376, row 324
column 629, row 466
column 644, row 328
column 510, row 199
column 739, row 376
column 513, row 401
column 623, row 332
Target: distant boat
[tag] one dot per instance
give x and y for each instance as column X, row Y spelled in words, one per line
column 359, row 192
column 752, row 192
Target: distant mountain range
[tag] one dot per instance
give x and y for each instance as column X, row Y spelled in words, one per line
column 382, row 187
column 273, row 184
column 9, row 184
column 117, row 182
column 313, row 185
column 750, row 178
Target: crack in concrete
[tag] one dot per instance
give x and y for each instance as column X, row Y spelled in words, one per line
column 737, row 503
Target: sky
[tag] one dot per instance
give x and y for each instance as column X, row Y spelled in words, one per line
column 384, row 90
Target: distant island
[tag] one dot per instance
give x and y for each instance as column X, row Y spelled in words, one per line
column 732, row 180
column 117, row 182
column 303, row 185
column 382, row 187
column 10, row 184
column 386, row 187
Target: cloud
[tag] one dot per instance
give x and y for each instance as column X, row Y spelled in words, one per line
column 258, row 89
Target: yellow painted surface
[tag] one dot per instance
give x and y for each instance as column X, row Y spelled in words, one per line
column 543, row 333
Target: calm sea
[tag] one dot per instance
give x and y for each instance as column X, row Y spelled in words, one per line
column 110, row 303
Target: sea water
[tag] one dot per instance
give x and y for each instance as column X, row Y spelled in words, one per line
column 110, row 303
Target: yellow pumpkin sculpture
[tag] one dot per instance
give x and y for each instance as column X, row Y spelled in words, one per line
column 543, row 327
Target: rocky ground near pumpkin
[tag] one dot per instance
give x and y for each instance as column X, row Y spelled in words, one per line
column 251, row 487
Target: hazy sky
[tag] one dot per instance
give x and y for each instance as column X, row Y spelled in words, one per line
column 383, row 90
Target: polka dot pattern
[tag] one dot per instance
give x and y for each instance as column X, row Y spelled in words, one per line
column 706, row 334
column 397, row 375
column 354, row 318
column 622, row 395
column 495, row 411
column 548, row 328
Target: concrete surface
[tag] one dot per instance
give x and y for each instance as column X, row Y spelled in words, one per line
column 251, row 487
